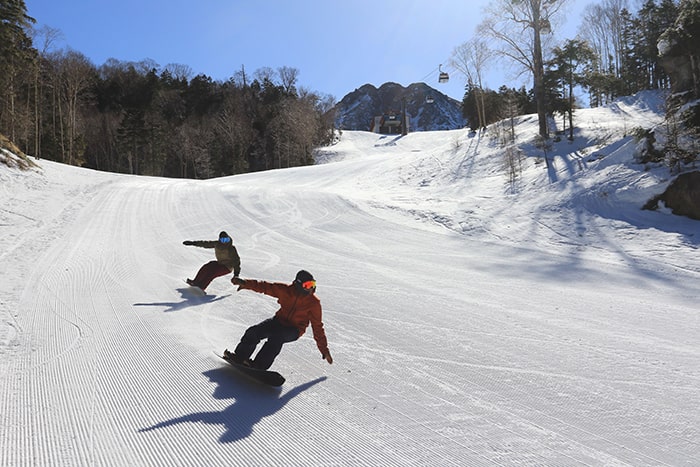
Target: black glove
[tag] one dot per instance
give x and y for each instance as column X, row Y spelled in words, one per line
column 238, row 281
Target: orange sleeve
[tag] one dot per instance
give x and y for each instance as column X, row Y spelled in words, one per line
column 318, row 331
column 273, row 289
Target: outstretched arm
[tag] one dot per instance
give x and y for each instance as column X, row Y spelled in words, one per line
column 273, row 289
column 201, row 243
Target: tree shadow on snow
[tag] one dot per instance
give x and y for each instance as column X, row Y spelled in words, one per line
column 188, row 299
column 253, row 403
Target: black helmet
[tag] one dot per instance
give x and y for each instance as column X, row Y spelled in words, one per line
column 303, row 276
column 224, row 237
column 305, row 282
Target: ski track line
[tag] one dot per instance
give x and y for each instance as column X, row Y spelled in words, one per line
column 47, row 446
column 91, row 358
column 416, row 437
column 529, row 420
column 361, row 436
column 490, row 367
column 611, row 403
column 61, row 343
column 547, row 338
column 325, row 443
column 400, row 382
column 524, row 371
column 521, row 400
column 457, row 407
column 64, row 343
column 608, row 384
column 280, row 229
column 545, row 333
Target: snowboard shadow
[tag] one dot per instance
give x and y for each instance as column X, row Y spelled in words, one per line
column 253, row 402
column 188, row 300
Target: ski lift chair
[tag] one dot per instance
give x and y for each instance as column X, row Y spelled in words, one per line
column 443, row 77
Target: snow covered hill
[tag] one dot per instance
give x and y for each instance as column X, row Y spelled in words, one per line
column 474, row 318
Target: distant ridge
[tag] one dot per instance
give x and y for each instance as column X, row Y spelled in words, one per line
column 428, row 109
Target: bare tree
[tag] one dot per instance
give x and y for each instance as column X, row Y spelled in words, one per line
column 143, row 67
column 234, row 127
column 75, row 75
column 321, row 105
column 179, row 71
column 513, row 165
column 603, row 29
column 292, row 131
column 190, row 144
column 325, row 103
column 240, row 77
column 510, row 110
column 519, row 26
column 470, row 59
column 289, row 77
column 265, row 74
column 45, row 36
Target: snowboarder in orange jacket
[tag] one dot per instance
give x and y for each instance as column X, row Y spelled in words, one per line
column 299, row 307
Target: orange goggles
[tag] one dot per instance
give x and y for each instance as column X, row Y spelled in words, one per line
column 308, row 285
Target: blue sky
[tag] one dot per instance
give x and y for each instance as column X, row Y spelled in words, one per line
column 337, row 46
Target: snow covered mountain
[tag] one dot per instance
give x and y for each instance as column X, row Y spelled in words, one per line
column 477, row 315
column 428, row 109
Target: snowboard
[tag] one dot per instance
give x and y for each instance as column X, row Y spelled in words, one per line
column 196, row 290
column 271, row 378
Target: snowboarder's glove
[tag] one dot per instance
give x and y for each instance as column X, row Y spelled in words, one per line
column 327, row 357
column 188, row 242
column 238, row 281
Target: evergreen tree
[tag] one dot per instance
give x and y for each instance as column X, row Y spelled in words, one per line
column 568, row 68
column 17, row 56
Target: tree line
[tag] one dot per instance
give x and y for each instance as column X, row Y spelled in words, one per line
column 140, row 118
column 614, row 54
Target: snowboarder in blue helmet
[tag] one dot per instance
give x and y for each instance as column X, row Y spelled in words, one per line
column 299, row 307
column 227, row 260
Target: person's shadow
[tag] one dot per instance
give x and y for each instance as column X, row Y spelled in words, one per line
column 251, row 406
column 188, row 299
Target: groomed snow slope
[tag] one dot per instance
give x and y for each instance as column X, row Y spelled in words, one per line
column 472, row 321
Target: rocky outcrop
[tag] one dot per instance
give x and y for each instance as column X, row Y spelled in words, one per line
column 682, row 196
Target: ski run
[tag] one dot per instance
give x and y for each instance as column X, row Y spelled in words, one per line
column 474, row 318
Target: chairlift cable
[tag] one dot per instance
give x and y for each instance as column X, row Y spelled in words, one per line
column 432, row 73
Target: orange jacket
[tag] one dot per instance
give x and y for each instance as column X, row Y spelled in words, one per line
column 296, row 309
